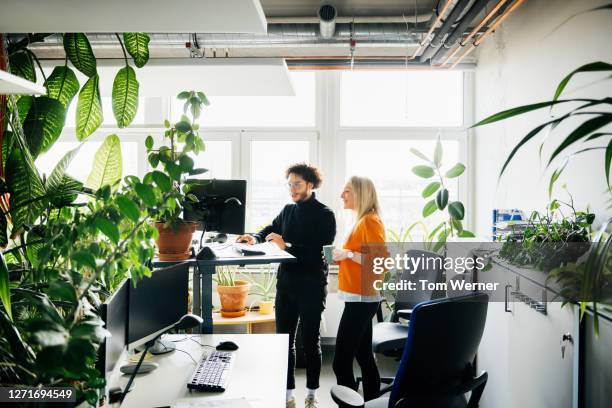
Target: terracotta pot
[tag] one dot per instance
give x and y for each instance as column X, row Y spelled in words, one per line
column 174, row 245
column 233, row 298
column 266, row 307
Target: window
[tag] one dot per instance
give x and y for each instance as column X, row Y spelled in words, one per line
column 260, row 111
column 107, row 109
column 217, row 158
column 80, row 166
column 388, row 163
column 417, row 98
column 268, row 186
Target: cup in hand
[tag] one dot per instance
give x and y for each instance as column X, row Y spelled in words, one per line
column 328, row 251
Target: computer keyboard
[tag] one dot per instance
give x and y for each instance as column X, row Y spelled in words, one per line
column 212, row 374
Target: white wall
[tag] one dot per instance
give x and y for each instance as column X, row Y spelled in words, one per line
column 522, row 63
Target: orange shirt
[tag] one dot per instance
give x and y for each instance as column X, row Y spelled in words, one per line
column 354, row 278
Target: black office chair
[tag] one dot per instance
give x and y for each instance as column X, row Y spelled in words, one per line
column 388, row 338
column 437, row 366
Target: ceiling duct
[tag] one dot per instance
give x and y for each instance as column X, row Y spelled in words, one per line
column 438, row 40
column 327, row 21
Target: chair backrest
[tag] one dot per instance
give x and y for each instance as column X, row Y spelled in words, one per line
column 431, row 269
column 443, row 339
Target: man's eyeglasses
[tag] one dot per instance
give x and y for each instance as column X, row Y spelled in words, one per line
column 295, row 186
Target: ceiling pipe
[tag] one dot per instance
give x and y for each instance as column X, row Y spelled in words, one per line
column 458, row 31
column 419, row 18
column 446, row 26
column 327, row 21
column 432, row 26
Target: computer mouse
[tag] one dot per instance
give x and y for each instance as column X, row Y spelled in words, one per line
column 227, row 346
column 221, row 238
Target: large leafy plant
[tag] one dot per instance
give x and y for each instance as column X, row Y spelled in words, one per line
column 454, row 210
column 176, row 162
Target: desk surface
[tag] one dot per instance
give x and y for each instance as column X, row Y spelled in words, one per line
column 259, row 372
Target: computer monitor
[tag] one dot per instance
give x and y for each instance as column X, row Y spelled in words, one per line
column 114, row 312
column 156, row 303
column 221, row 206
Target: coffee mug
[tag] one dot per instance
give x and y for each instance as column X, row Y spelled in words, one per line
column 328, row 253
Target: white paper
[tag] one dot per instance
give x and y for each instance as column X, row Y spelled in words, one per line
column 210, row 403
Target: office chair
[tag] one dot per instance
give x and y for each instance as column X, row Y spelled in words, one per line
column 437, row 366
column 388, row 338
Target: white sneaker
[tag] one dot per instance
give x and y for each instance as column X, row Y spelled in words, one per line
column 291, row 403
column 311, row 403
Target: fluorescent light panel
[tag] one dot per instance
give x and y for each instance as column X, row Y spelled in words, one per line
column 153, row 16
column 13, row 85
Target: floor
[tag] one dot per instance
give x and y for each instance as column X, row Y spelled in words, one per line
column 386, row 366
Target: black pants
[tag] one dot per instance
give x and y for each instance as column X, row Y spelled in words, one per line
column 354, row 340
column 305, row 304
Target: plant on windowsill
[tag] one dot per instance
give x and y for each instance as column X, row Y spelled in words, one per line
column 264, row 288
column 175, row 234
column 232, row 292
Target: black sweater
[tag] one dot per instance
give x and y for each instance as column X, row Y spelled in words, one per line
column 307, row 225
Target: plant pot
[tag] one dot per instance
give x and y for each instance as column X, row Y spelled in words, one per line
column 174, row 245
column 233, row 298
column 266, row 307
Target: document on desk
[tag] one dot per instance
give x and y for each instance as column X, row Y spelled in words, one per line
column 269, row 248
column 207, row 403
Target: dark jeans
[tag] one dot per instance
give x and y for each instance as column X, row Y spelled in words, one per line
column 354, row 340
column 305, row 304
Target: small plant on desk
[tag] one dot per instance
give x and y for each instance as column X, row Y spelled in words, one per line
column 232, row 292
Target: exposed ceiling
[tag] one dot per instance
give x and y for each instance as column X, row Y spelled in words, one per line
column 347, row 8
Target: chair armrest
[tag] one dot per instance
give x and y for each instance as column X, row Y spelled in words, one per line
column 346, row 397
column 404, row 313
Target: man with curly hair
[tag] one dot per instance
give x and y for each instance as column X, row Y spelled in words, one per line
column 302, row 229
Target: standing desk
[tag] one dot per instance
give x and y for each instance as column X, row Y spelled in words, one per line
column 203, row 271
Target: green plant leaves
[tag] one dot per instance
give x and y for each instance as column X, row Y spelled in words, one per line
column 21, row 64
column 57, row 174
column 430, row 189
column 5, row 294
column 43, row 124
column 137, row 45
column 608, row 160
column 108, row 228
column 79, row 52
column 125, row 96
column 438, row 154
column 62, row 85
column 581, row 131
column 592, row 67
column 423, row 171
column 455, row 171
column 89, row 109
column 128, row 208
column 429, row 208
column 163, row 182
column 456, row 210
column 183, row 126
column 85, row 258
column 523, row 109
column 107, row 164
column 146, row 194
column 418, row 154
column 149, row 142
column 442, row 199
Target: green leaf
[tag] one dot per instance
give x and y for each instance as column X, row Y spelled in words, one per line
column 554, row 177
column 125, row 96
column 442, row 199
column 581, row 131
column 592, row 67
column 456, row 210
column 419, row 154
column 163, row 182
column 153, row 159
column 43, row 124
column 466, row 234
column 23, row 106
column 197, row 171
column 174, row 171
column 438, row 154
column 79, row 52
column 66, row 192
column 3, row 230
column 84, row 258
column 183, row 95
column 186, row 163
column 455, row 171
column 21, row 64
column 5, row 294
column 149, row 142
column 107, row 165
column 146, row 194
column 522, row 109
column 56, row 177
column 423, row 171
column 430, row 189
column 137, row 45
column 608, row 161
column 203, row 98
column 62, row 85
column 429, row 208
column 24, row 184
column 128, row 208
column 182, row 126
column 89, row 109
column 108, row 228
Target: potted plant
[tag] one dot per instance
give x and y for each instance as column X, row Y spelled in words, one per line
column 264, row 289
column 232, row 292
column 175, row 234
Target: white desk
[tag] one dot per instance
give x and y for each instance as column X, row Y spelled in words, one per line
column 259, row 373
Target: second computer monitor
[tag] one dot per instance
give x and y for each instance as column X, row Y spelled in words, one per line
column 222, row 206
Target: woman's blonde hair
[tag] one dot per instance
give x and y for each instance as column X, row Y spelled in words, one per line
column 366, row 199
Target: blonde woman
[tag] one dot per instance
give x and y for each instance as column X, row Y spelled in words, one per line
column 355, row 287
